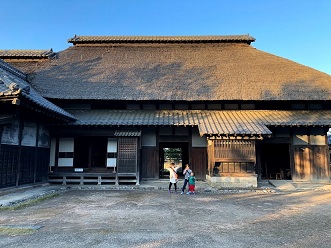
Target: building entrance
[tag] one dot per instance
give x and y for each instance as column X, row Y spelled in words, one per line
column 90, row 152
column 275, row 161
column 172, row 152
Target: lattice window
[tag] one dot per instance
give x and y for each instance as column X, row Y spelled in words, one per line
column 234, row 167
column 127, row 155
column 234, row 150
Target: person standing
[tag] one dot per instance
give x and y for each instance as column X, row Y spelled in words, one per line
column 173, row 176
column 191, row 184
column 187, row 172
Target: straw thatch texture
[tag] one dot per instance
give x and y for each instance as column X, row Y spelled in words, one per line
column 189, row 72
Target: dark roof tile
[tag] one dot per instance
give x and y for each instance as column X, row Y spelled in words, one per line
column 210, row 122
column 13, row 84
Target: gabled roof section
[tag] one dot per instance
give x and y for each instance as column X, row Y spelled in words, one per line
column 14, row 88
column 25, row 54
column 161, row 39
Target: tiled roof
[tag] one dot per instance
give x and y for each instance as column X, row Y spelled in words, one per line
column 175, row 72
column 12, row 85
column 12, row 70
column 25, row 53
column 226, row 122
column 127, row 133
column 161, row 39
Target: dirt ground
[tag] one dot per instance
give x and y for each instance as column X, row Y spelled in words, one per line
column 110, row 218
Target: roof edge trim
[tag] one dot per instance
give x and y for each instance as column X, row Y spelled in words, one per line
column 162, row 39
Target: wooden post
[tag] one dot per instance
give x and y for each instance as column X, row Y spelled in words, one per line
column 36, row 155
column 20, row 136
column 56, row 162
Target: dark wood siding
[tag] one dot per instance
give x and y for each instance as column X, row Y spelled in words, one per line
column 199, row 162
column 33, row 168
column 149, row 163
column 8, row 165
column 42, row 165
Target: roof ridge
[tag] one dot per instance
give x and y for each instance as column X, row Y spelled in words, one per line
column 162, row 39
column 41, row 53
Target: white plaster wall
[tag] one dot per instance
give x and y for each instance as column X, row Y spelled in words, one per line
column 317, row 140
column 300, row 139
column 197, row 140
column 148, row 137
column 44, row 137
column 112, row 147
column 66, row 145
column 52, row 152
column 316, row 137
column 10, row 134
column 29, row 134
column 300, row 136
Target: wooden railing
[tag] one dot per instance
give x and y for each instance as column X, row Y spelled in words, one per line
column 66, row 178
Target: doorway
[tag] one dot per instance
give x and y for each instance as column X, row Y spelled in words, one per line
column 90, row 152
column 275, row 162
column 172, row 152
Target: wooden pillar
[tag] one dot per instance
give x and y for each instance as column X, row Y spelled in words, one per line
column 56, row 162
column 258, row 160
column 210, row 157
column 1, row 130
column 20, row 137
column 36, row 154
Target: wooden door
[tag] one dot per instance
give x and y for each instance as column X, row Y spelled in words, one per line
column 320, row 168
column 301, row 171
column 199, row 162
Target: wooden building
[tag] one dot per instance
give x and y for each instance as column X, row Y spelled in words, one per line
column 235, row 114
column 24, row 133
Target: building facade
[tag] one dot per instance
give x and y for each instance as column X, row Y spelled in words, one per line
column 235, row 114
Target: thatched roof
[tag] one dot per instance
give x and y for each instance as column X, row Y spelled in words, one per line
column 163, row 68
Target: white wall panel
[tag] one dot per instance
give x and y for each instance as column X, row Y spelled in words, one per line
column 52, row 152
column 112, row 145
column 66, row 145
column 29, row 134
column 66, row 162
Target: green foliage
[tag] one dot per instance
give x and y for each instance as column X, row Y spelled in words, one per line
column 16, row 231
column 28, row 203
column 173, row 154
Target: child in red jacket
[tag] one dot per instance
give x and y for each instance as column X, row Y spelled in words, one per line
column 191, row 184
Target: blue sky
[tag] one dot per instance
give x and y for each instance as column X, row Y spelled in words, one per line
column 299, row 30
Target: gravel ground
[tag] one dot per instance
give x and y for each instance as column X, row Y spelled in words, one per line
column 129, row 218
